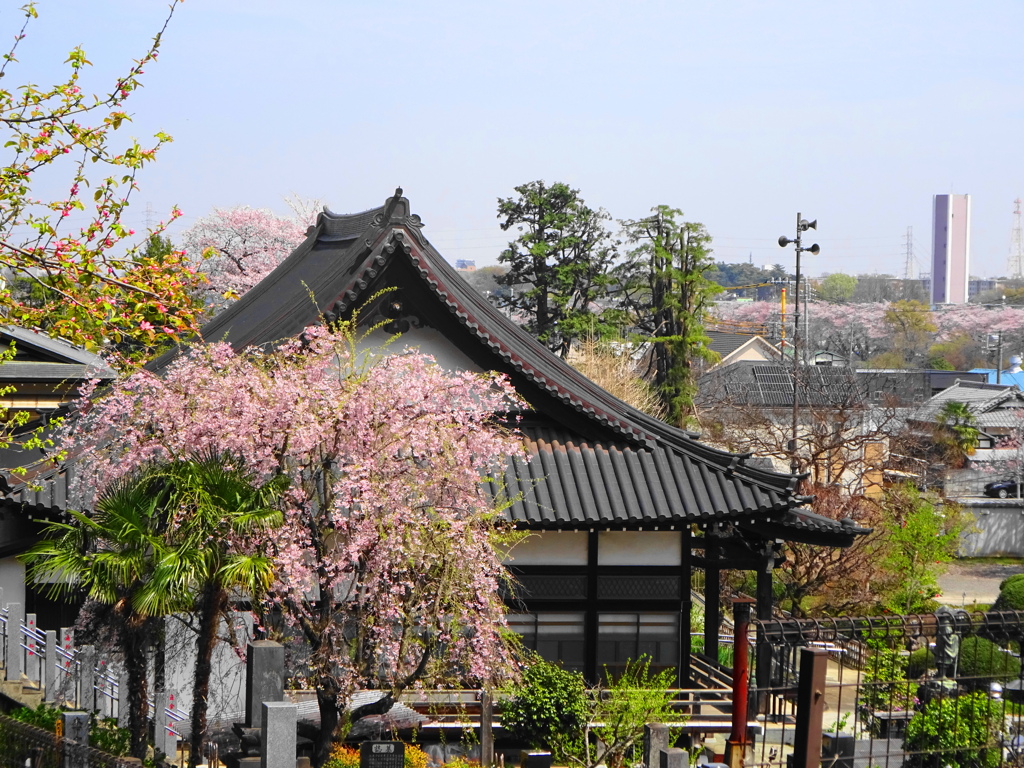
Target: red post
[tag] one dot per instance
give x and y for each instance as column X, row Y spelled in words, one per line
column 735, row 747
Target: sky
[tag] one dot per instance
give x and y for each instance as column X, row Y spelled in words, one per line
column 741, row 113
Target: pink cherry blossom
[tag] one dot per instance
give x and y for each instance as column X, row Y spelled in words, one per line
column 390, row 460
column 237, row 247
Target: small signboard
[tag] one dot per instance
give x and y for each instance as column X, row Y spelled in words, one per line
column 382, row 754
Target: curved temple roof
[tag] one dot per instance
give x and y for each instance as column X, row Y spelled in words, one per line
column 597, row 462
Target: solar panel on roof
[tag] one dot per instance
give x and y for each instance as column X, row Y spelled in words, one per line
column 772, row 381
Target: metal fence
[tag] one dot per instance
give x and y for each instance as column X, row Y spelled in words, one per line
column 932, row 691
column 25, row 746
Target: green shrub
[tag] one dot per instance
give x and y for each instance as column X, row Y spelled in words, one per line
column 955, row 731
column 981, row 658
column 920, row 662
column 44, row 716
column 884, row 683
column 107, row 736
column 1017, row 578
column 415, row 757
column 104, row 733
column 1011, row 595
column 636, row 698
column 547, row 708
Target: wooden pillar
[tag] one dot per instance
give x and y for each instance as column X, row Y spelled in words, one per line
column 712, row 592
column 486, row 728
column 810, row 708
column 591, row 670
column 685, row 608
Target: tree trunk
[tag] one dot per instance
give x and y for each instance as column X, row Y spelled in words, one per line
column 160, row 655
column 136, row 666
column 211, row 605
column 327, row 700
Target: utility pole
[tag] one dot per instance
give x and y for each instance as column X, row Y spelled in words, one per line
column 802, row 225
column 998, row 337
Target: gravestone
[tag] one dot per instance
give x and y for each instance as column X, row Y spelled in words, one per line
column 674, row 758
column 656, row 738
column 382, row 754
column 49, row 681
column 76, row 727
column 15, row 659
column 277, row 737
column 264, row 678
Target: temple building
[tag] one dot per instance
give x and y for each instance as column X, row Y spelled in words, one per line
column 625, row 510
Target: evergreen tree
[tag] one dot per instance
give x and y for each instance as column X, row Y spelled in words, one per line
column 666, row 289
column 558, row 266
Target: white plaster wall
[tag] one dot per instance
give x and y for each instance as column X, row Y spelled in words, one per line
column 550, row 548
column 639, row 548
column 424, row 340
column 12, row 581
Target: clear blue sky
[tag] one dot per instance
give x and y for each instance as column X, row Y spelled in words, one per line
column 739, row 113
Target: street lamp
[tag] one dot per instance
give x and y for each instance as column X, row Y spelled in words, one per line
column 802, row 225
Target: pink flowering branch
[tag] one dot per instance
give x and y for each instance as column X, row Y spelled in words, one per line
column 386, row 562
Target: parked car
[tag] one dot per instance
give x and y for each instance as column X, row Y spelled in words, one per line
column 1002, row 489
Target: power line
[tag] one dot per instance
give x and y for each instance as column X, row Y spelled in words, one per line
column 908, row 268
column 1015, row 264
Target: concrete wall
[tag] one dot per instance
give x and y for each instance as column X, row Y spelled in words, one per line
column 1000, row 529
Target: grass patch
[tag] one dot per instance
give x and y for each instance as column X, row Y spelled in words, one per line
column 990, row 561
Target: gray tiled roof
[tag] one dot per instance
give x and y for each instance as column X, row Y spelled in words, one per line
column 15, row 372
column 575, row 482
column 726, row 343
column 572, row 483
column 58, row 351
column 983, row 400
column 770, row 385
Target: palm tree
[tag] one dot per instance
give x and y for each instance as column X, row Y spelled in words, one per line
column 959, row 434
column 214, row 506
column 111, row 555
column 162, row 540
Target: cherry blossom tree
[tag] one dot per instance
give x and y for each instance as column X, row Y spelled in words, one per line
column 96, row 284
column 385, row 562
column 855, row 331
column 864, row 332
column 237, row 247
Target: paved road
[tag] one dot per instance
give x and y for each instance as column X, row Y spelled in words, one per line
column 978, row 581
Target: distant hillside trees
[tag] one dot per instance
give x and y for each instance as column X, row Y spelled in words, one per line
column 837, row 287
column 733, row 276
